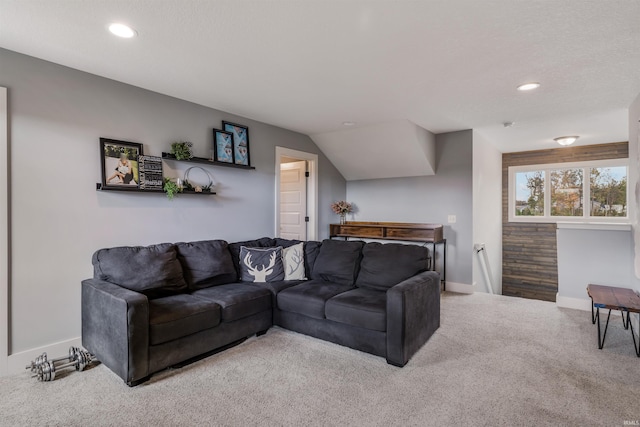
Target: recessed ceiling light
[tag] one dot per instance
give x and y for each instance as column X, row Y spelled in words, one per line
column 508, row 124
column 348, row 123
column 122, row 30
column 529, row 86
column 566, row 140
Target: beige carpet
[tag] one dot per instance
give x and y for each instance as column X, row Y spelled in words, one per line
column 494, row 361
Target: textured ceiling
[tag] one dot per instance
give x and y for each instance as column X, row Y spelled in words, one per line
column 309, row 65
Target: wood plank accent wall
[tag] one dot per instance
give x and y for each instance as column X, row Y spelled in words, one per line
column 529, row 250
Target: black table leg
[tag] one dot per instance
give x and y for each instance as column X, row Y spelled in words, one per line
column 601, row 342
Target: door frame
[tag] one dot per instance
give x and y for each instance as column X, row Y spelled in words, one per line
column 312, row 189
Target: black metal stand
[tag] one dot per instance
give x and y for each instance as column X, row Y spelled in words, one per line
column 595, row 317
column 443, row 242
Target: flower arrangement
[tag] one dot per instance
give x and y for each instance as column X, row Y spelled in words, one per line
column 342, row 208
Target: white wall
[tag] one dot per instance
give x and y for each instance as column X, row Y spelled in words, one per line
column 601, row 257
column 4, row 234
column 598, row 256
column 487, row 211
column 429, row 199
column 634, row 179
column 57, row 116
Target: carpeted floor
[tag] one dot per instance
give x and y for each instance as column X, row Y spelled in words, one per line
column 494, row 361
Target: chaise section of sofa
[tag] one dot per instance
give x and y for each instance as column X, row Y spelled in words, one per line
column 376, row 298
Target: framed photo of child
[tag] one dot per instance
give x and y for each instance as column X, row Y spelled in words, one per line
column 240, row 142
column 119, row 161
column 222, row 146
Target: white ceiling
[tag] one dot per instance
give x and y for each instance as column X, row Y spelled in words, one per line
column 309, row 65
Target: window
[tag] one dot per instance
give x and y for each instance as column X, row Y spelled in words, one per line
column 578, row 192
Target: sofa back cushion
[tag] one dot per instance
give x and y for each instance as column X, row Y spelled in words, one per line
column 386, row 265
column 206, row 263
column 337, row 261
column 151, row 270
column 234, row 249
column 261, row 265
column 311, row 251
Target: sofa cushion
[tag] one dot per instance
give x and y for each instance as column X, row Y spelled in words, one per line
column 151, row 270
column 309, row 298
column 293, row 262
column 276, row 287
column 180, row 315
column 261, row 264
column 206, row 263
column 365, row 308
column 386, row 265
column 311, row 250
column 337, row 262
column 237, row 300
column 234, row 249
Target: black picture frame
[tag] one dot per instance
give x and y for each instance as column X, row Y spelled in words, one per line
column 223, row 146
column 119, row 163
column 241, row 153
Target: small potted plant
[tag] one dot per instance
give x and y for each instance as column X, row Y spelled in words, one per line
column 171, row 188
column 182, row 150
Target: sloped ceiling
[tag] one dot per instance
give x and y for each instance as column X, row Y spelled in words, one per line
column 384, row 150
column 308, row 66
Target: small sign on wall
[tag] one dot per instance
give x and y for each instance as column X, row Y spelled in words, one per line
column 150, row 170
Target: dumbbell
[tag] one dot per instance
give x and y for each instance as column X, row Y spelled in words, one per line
column 42, row 359
column 45, row 370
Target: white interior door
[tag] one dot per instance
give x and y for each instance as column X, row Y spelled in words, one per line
column 293, row 200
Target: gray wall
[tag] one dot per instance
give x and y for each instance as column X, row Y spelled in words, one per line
column 429, row 199
column 602, row 257
column 57, row 116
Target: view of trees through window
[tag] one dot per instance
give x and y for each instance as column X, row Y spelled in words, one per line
column 566, row 192
column 606, row 189
column 530, row 193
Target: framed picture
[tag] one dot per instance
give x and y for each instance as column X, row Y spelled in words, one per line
column 120, row 163
column 240, row 142
column 222, row 146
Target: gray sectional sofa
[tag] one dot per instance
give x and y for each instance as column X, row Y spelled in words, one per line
column 149, row 308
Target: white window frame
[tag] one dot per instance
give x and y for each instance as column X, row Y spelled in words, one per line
column 547, row 168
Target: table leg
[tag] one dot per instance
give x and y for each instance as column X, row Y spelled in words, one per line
column 601, row 342
column 636, row 347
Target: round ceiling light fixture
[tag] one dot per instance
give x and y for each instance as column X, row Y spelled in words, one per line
column 122, row 30
column 566, row 140
column 528, row 86
column 348, row 123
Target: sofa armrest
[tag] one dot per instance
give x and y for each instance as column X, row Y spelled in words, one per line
column 115, row 328
column 413, row 315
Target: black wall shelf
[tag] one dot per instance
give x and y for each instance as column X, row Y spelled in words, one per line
column 99, row 187
column 202, row 160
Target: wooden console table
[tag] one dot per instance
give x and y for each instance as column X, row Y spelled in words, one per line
column 405, row 231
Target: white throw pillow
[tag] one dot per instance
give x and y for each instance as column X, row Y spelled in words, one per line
column 293, row 259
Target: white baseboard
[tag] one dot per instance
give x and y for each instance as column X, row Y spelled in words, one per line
column 575, row 303
column 18, row 361
column 461, row 288
column 578, row 304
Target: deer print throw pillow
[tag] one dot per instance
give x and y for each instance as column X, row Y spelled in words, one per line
column 261, row 264
column 293, row 260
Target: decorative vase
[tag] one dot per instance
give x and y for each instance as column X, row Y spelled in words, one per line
column 343, row 219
